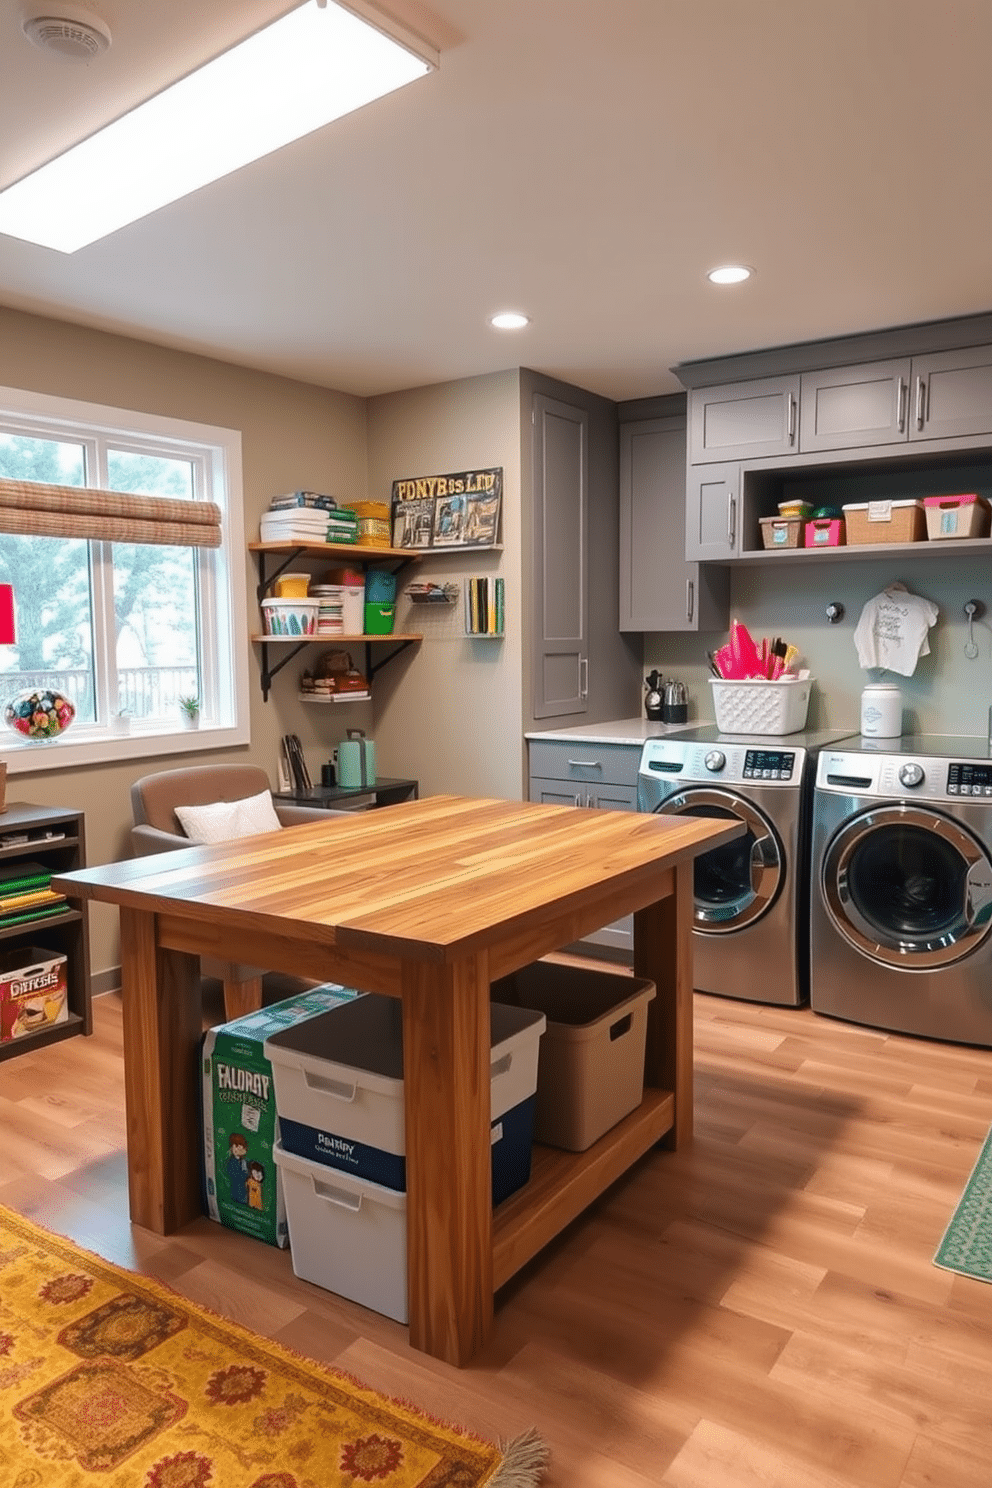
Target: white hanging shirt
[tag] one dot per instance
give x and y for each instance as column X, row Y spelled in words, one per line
column 892, row 631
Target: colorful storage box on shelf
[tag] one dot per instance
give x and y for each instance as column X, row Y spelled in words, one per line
column 782, row 532
column 825, row 532
column 957, row 516
column 290, row 617
column 885, row 521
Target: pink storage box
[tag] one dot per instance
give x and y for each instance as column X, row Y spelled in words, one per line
column 967, row 515
column 824, row 532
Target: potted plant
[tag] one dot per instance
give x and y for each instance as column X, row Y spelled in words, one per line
column 120, row 723
column 190, row 708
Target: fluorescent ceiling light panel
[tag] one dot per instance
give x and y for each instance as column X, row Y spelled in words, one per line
column 293, row 77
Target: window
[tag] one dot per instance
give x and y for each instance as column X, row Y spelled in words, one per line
column 125, row 629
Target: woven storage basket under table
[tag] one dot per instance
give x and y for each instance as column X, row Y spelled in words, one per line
column 885, row 522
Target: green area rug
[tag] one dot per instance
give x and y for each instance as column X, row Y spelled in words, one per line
column 967, row 1243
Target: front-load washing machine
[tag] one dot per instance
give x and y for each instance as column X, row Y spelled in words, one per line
column 901, row 912
column 751, row 895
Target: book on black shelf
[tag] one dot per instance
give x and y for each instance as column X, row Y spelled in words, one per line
column 20, row 877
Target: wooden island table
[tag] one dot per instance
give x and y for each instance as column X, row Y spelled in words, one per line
column 429, row 901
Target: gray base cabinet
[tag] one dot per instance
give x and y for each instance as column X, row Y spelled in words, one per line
column 579, row 773
column 660, row 590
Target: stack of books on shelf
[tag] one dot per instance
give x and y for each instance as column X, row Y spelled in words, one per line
column 26, row 894
column 484, row 606
column 308, row 517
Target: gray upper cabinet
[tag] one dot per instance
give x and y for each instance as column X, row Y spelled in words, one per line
column 744, row 420
column 952, row 394
column 660, row 590
column 561, row 606
column 713, row 513
column 947, row 395
column 853, row 407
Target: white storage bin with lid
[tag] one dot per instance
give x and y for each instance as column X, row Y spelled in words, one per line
column 289, row 617
column 339, row 1091
column 346, row 1234
column 758, row 706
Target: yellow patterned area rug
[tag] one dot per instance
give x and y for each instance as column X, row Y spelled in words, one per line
column 111, row 1380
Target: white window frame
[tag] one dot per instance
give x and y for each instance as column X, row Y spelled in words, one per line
column 215, row 454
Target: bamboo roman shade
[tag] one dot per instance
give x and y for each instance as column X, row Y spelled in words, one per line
column 107, row 516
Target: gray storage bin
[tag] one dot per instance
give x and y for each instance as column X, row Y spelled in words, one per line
column 590, row 1072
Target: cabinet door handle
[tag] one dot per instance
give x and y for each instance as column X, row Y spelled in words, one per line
column 731, row 519
column 920, row 402
column 792, row 418
column 590, row 800
column 578, row 800
column 690, row 596
column 583, row 676
column 901, row 405
column 585, row 764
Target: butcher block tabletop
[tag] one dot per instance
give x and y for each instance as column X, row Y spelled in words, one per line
column 433, row 879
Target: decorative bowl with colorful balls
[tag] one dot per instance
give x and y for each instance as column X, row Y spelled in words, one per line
column 39, row 715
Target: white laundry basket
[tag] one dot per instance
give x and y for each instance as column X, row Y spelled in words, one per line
column 757, row 706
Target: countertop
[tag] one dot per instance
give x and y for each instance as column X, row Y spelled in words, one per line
column 625, row 731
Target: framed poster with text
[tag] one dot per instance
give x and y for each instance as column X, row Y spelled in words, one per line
column 456, row 510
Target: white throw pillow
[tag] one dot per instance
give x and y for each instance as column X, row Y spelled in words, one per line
column 224, row 820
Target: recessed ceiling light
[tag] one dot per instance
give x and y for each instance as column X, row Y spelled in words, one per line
column 509, row 320
column 729, row 274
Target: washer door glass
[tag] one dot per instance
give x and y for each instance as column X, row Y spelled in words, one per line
column 735, row 884
column 908, row 887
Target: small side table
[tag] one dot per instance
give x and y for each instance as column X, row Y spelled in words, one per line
column 385, row 792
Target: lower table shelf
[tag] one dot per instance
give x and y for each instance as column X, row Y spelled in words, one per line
column 562, row 1184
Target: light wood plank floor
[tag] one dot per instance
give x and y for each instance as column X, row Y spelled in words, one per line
column 760, row 1309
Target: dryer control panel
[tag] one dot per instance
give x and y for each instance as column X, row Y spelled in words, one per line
column 969, row 779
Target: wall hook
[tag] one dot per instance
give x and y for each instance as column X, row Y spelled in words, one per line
column 974, row 609
column 835, row 612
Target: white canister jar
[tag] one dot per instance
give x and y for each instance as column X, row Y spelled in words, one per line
column 881, row 711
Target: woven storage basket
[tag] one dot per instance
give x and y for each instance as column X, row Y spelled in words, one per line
column 782, row 532
column 956, row 516
column 885, row 522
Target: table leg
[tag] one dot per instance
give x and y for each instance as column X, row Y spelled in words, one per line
column 162, row 1028
column 663, row 952
column 446, row 1057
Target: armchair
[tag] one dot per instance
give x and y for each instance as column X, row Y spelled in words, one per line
column 156, row 828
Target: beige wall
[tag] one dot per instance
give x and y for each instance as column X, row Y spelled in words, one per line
column 948, row 693
column 450, row 713
column 293, row 435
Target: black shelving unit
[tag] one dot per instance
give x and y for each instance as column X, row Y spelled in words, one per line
column 56, row 838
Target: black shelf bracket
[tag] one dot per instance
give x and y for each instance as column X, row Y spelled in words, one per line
column 371, row 667
column 268, row 672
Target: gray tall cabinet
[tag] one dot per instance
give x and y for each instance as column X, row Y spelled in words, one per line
column 579, row 668
column 661, row 589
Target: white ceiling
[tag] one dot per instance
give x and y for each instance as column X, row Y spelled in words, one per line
column 582, row 160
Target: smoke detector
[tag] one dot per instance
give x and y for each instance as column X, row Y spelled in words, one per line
column 69, row 32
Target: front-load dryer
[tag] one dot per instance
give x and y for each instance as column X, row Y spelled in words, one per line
column 901, row 911
column 750, row 909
